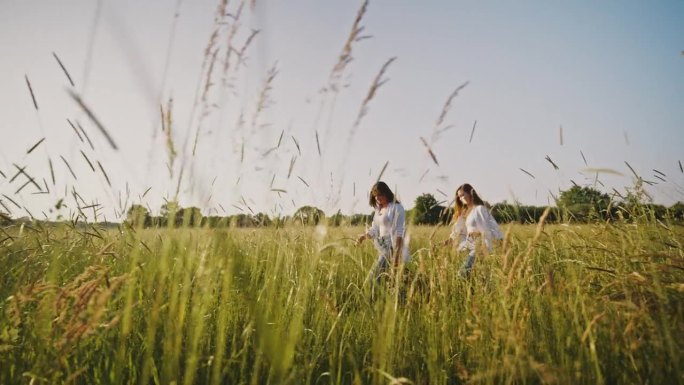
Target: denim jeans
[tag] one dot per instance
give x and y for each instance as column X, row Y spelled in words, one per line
column 381, row 266
column 467, row 266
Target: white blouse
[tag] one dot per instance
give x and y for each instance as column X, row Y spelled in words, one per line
column 479, row 220
column 388, row 224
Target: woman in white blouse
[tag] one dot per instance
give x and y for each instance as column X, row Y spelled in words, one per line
column 388, row 228
column 472, row 223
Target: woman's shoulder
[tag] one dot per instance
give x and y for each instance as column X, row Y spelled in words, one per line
column 481, row 209
column 396, row 206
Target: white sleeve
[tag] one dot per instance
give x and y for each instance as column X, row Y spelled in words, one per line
column 374, row 231
column 399, row 220
column 487, row 225
column 458, row 229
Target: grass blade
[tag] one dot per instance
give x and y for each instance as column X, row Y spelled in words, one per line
column 33, row 97
column 93, row 118
column 64, row 69
column 30, row 150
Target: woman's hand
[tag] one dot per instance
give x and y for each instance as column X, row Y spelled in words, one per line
column 447, row 242
column 361, row 238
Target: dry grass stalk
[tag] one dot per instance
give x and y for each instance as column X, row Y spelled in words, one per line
column 472, row 132
column 318, row 144
column 11, row 200
column 423, row 175
column 85, row 134
column 548, row 159
column 303, row 181
column 30, row 150
column 167, row 124
column 346, row 54
column 104, row 173
column 69, row 167
column 81, row 306
column 292, row 163
column 263, row 100
column 33, row 97
column 7, row 210
column 632, row 170
column 429, row 150
column 75, row 130
column 377, row 83
column 447, row 105
column 299, row 151
column 28, row 212
column 382, row 171
column 29, row 181
column 241, row 52
column 52, row 171
column 93, row 118
column 22, row 171
column 244, row 202
column 528, row 173
column 210, row 55
column 87, row 160
column 280, row 139
column 235, row 27
column 64, row 69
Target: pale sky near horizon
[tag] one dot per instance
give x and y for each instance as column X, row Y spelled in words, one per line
column 610, row 73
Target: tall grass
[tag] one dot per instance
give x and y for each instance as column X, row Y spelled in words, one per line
column 558, row 304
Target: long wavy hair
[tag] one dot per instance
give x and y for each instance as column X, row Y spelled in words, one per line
column 381, row 188
column 460, row 207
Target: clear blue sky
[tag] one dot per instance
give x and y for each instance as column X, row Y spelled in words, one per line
column 610, row 73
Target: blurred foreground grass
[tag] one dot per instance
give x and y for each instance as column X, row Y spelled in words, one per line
column 598, row 303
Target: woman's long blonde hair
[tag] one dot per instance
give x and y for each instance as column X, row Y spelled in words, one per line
column 459, row 207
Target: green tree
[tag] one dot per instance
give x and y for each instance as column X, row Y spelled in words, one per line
column 242, row 220
column 138, row 216
column 584, row 203
column 169, row 212
column 189, row 216
column 262, row 219
column 677, row 211
column 360, row 219
column 308, row 215
column 337, row 219
column 427, row 211
column 505, row 212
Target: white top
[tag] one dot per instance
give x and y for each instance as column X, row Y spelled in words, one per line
column 388, row 224
column 479, row 220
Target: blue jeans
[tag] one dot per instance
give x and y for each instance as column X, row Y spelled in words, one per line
column 467, row 266
column 381, row 267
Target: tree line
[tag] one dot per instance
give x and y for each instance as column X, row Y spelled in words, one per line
column 577, row 204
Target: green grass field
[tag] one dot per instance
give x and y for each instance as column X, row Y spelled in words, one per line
column 561, row 304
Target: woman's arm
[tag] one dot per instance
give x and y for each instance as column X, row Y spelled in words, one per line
column 486, row 224
column 372, row 232
column 399, row 230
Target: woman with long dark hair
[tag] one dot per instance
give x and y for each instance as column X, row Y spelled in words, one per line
column 472, row 223
column 388, row 228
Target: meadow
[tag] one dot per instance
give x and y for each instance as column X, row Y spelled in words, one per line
column 562, row 303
